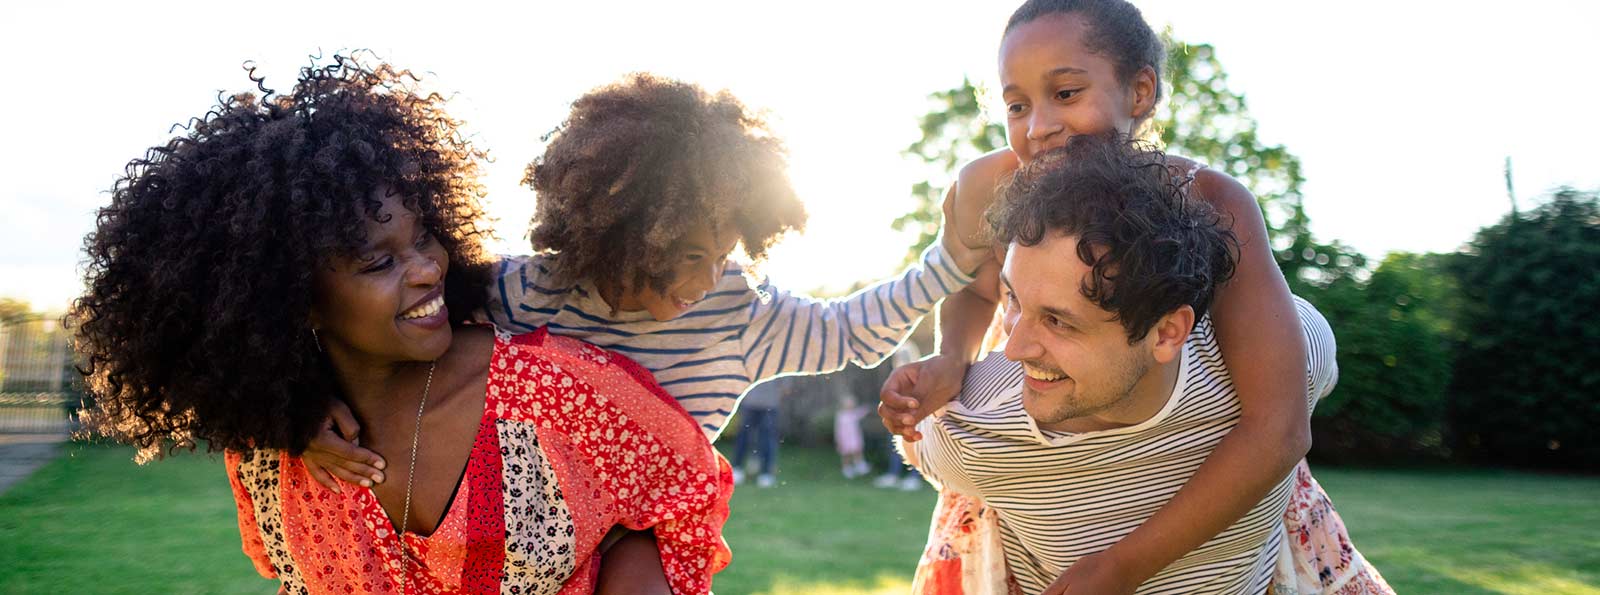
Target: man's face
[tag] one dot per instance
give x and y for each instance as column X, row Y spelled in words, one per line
column 1075, row 355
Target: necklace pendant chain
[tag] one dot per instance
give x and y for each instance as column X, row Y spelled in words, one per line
column 411, row 472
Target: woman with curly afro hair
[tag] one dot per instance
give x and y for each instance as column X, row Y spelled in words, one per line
column 298, row 248
column 644, row 193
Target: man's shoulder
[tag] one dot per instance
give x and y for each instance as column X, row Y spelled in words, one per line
column 989, row 381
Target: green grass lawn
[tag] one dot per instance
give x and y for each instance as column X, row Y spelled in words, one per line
column 93, row 522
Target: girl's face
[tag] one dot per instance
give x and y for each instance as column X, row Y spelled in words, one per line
column 1054, row 87
column 702, row 256
column 385, row 303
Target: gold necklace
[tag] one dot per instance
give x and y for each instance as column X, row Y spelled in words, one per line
column 411, row 472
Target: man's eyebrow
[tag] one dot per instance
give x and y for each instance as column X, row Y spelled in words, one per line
column 1066, row 315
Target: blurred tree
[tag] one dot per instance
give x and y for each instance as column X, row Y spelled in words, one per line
column 1394, row 333
column 1527, row 376
column 12, row 309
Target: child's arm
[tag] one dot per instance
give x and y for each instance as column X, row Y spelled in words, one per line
column 790, row 333
column 522, row 297
column 914, row 391
column 1264, row 347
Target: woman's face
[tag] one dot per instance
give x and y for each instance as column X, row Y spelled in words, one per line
column 701, row 258
column 1055, row 88
column 385, row 303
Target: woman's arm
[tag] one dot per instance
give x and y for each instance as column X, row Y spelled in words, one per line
column 1264, row 348
column 632, row 566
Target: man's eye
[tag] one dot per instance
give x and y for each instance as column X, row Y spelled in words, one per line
column 1066, row 94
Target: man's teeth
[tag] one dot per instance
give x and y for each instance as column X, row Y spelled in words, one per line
column 1042, row 375
column 425, row 310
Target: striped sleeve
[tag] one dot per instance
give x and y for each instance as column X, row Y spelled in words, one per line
column 1322, row 371
column 790, row 333
column 521, row 295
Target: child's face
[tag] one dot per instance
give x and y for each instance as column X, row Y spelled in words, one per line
column 1054, row 87
column 701, row 258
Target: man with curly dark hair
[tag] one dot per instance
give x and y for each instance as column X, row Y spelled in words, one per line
column 1112, row 389
column 293, row 249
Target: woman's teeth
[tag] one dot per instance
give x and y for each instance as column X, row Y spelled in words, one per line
column 425, row 310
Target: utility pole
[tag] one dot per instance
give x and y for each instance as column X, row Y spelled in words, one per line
column 1511, row 191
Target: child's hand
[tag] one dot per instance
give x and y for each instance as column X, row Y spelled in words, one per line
column 331, row 454
column 967, row 257
column 915, row 390
column 1094, row 574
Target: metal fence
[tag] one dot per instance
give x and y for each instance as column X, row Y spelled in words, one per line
column 40, row 390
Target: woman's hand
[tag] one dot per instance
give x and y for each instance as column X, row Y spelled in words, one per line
column 334, row 452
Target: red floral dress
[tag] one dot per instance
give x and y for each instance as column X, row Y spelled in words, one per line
column 574, row 440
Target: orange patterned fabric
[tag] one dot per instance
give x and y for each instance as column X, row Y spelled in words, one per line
column 574, row 440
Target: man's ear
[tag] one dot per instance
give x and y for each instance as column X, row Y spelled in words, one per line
column 1170, row 333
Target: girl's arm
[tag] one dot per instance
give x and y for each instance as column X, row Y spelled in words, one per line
column 1264, row 348
column 914, row 391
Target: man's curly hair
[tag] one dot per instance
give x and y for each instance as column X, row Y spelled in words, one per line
column 1150, row 248
column 638, row 163
column 195, row 325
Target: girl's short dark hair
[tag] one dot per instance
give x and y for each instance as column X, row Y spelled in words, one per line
column 1150, row 248
column 638, row 163
column 1117, row 30
column 195, row 325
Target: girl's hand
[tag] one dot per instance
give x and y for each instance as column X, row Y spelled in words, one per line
column 967, row 257
column 331, row 455
column 916, row 390
column 1094, row 574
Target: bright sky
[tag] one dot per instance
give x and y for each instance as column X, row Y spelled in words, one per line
column 1403, row 112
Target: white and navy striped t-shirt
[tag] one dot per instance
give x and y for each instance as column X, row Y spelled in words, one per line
column 1061, row 496
column 737, row 335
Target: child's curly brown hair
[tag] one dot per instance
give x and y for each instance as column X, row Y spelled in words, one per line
column 196, row 322
column 640, row 162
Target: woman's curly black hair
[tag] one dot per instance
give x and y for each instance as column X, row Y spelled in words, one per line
column 1150, row 248
column 638, row 163
column 195, row 325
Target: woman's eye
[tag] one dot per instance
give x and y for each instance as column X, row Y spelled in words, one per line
column 380, row 264
column 693, row 258
column 424, row 239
